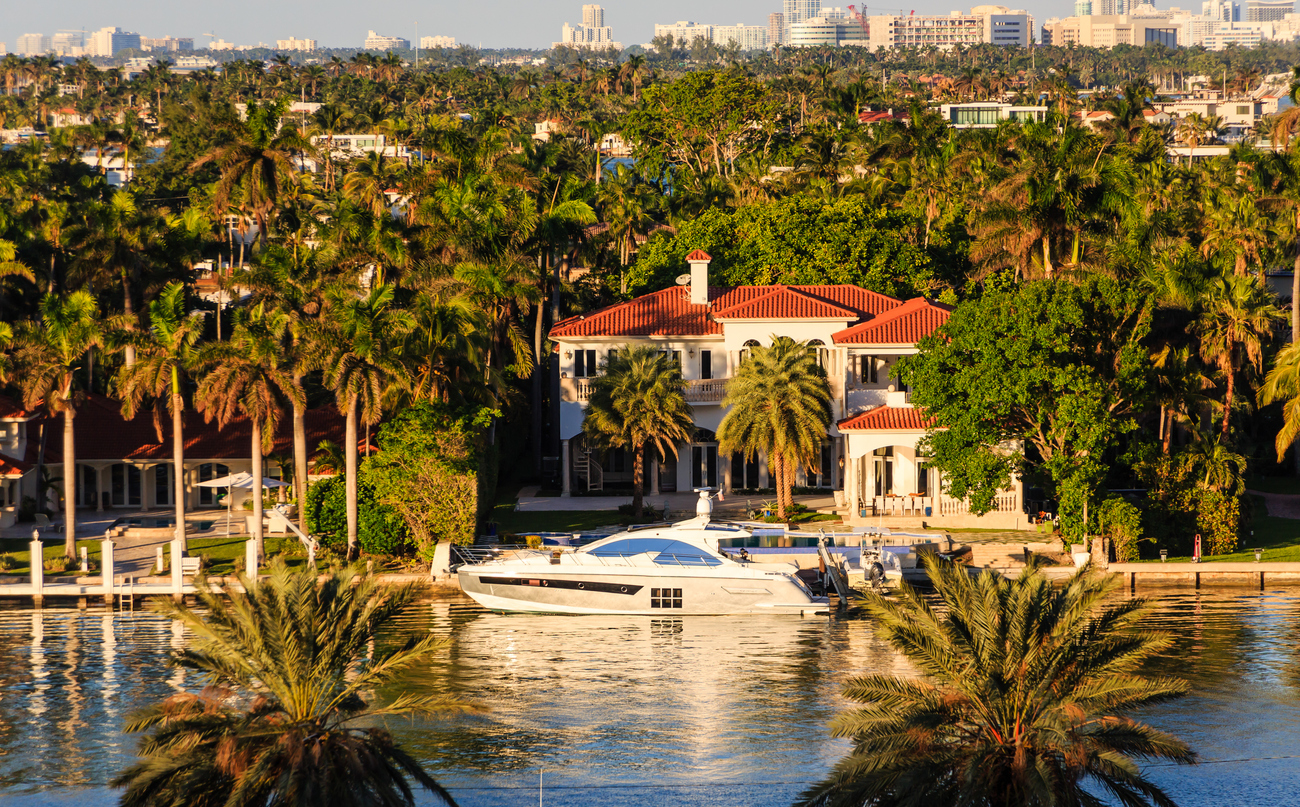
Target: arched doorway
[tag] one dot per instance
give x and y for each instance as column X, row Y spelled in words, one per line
column 704, row 459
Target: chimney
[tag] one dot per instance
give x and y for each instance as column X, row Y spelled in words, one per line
column 699, row 261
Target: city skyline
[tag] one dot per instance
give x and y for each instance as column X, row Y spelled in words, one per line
column 491, row 26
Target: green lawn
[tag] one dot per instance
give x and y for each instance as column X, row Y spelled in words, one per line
column 221, row 552
column 1278, row 537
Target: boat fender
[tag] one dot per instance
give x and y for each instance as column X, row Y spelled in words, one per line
column 875, row 572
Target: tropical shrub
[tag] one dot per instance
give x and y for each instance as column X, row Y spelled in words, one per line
column 1122, row 523
column 379, row 529
column 427, row 472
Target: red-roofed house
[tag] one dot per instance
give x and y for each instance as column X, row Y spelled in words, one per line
column 126, row 463
column 870, row 450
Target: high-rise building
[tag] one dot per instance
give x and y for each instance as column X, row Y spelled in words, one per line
column 746, row 37
column 1082, row 8
column 68, row 43
column 592, row 33
column 794, row 11
column 1221, row 10
column 776, row 28
column 429, row 42
column 33, row 45
column 109, row 42
column 171, row 44
column 1268, row 10
column 293, row 43
column 684, row 32
column 1109, row 8
column 376, row 41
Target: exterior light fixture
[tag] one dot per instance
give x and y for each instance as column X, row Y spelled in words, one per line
column 1164, row 555
column 1259, row 554
column 568, row 354
column 691, row 353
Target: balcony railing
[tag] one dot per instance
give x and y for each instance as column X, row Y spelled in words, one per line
column 710, row 390
column 915, row 504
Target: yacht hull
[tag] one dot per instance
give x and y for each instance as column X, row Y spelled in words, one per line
column 564, row 592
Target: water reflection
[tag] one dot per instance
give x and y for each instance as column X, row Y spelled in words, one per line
column 635, row 710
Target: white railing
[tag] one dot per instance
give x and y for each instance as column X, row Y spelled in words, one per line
column 708, row 390
column 913, row 505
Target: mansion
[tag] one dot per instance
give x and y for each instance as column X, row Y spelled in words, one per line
column 869, row 457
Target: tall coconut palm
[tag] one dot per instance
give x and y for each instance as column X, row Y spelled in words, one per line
column 1022, row 698
column 49, row 354
column 639, row 402
column 1238, row 317
column 164, row 358
column 778, row 403
column 360, row 350
column 246, row 377
column 284, row 720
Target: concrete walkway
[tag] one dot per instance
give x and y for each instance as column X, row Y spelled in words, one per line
column 1282, row 505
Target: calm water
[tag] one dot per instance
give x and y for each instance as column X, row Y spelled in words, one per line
column 638, row 711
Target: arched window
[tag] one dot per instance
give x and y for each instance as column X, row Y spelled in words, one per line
column 823, row 353
column 744, row 353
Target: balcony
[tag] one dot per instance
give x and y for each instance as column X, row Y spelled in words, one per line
column 709, row 390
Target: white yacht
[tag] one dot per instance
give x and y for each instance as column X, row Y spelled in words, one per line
column 658, row 570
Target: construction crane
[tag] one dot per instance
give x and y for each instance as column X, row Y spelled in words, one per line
column 861, row 18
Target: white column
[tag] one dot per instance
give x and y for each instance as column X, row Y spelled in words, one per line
column 177, row 581
column 250, row 559
column 99, row 489
column 566, row 490
column 38, row 568
column 654, row 478
column 146, row 490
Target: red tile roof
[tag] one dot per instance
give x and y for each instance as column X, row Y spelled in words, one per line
column 103, row 434
column 903, row 325
column 785, row 302
column 661, row 313
column 13, row 410
column 670, row 313
column 11, row 468
column 887, row 419
column 698, row 255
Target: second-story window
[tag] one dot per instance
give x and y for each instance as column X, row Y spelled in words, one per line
column 584, row 363
column 706, row 364
column 867, row 370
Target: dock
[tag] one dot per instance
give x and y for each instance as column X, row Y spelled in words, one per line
column 1245, row 573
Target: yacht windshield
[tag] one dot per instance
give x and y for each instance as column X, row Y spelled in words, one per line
column 666, row 551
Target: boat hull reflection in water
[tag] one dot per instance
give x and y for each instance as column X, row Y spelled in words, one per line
column 657, row 571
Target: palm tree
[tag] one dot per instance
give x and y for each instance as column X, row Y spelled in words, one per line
column 1020, row 701
column 639, row 401
column 47, row 360
column 247, row 377
column 778, row 403
column 1237, row 319
column 163, row 358
column 1283, row 384
column 360, row 351
column 1220, row 468
column 284, row 718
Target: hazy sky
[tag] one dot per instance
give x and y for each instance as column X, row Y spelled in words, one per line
column 336, row 23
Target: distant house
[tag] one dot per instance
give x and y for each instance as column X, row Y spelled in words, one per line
column 128, row 463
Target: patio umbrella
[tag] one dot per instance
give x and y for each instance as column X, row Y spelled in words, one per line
column 242, row 481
